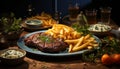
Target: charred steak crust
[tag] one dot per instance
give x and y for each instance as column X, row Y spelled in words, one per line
column 45, row 43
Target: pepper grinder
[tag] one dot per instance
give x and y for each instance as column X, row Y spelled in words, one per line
column 57, row 16
column 30, row 10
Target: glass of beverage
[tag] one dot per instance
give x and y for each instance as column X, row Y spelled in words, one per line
column 91, row 16
column 105, row 14
column 73, row 11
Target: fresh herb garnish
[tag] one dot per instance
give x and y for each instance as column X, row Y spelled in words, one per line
column 45, row 39
column 110, row 45
column 11, row 23
column 81, row 29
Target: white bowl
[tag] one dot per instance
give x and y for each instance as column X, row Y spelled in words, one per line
column 100, row 29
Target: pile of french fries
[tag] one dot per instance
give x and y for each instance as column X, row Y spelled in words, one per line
column 75, row 39
column 46, row 18
column 84, row 42
column 63, row 31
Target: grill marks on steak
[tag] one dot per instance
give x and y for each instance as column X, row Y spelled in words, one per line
column 54, row 45
column 32, row 40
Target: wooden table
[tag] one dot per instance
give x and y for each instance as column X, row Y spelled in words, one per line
column 33, row 61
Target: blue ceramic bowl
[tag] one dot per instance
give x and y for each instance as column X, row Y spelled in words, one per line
column 33, row 23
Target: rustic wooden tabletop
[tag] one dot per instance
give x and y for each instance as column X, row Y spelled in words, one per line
column 33, row 61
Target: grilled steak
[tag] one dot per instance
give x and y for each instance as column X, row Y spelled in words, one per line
column 45, row 43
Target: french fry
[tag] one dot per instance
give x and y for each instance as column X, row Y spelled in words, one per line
column 79, row 41
column 89, row 39
column 50, row 21
column 80, row 47
column 87, row 36
column 66, row 32
column 94, row 41
column 91, row 44
column 70, row 48
column 95, row 45
column 71, row 41
column 89, row 47
column 62, row 32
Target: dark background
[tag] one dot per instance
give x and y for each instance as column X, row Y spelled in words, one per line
column 19, row 7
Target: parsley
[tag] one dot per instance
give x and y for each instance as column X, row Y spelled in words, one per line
column 45, row 39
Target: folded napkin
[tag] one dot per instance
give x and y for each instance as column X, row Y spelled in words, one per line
column 116, row 32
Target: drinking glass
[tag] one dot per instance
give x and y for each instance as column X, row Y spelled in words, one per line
column 73, row 11
column 91, row 16
column 105, row 14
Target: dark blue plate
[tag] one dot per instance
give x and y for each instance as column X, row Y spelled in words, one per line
column 22, row 45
